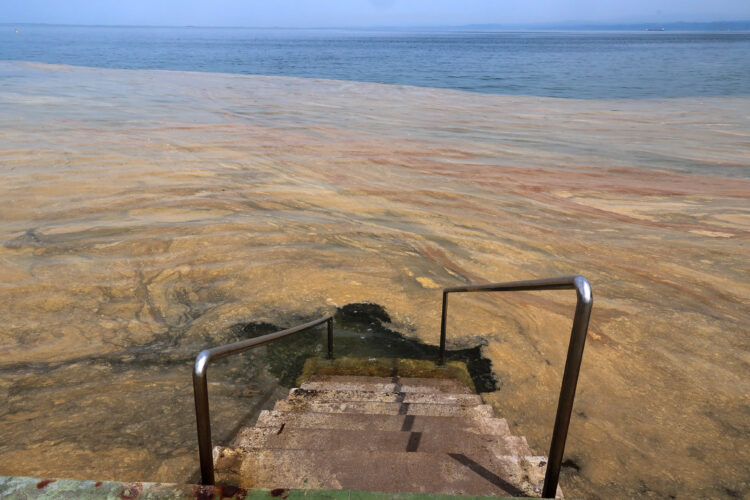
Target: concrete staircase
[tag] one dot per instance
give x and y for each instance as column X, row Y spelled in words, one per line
column 388, row 434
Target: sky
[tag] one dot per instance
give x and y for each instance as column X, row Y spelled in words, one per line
column 364, row 13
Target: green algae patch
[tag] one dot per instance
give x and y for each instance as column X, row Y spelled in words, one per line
column 363, row 330
column 387, row 367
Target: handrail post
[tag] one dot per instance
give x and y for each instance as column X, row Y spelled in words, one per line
column 330, row 337
column 200, row 385
column 577, row 342
column 441, row 359
column 584, row 302
column 202, row 416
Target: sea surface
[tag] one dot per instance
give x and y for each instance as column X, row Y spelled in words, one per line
column 584, row 65
column 148, row 214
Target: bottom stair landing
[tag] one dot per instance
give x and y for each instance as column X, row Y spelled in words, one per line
column 385, row 434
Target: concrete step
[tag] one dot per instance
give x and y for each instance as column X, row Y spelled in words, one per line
column 416, row 472
column 384, row 384
column 385, row 397
column 362, row 421
column 438, row 410
column 468, row 443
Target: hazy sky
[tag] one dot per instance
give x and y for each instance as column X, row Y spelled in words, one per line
column 331, row 13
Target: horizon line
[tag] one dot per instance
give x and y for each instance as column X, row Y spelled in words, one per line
column 557, row 25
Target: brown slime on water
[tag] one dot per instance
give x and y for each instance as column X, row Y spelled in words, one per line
column 142, row 213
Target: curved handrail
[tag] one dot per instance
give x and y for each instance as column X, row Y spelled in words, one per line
column 585, row 301
column 200, row 384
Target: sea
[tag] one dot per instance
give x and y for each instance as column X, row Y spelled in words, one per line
column 575, row 64
column 166, row 190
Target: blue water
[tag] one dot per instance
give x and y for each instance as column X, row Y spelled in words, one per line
column 566, row 64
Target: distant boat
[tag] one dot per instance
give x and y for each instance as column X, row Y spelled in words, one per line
column 654, row 29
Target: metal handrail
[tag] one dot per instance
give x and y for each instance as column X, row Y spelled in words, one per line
column 200, row 385
column 585, row 301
